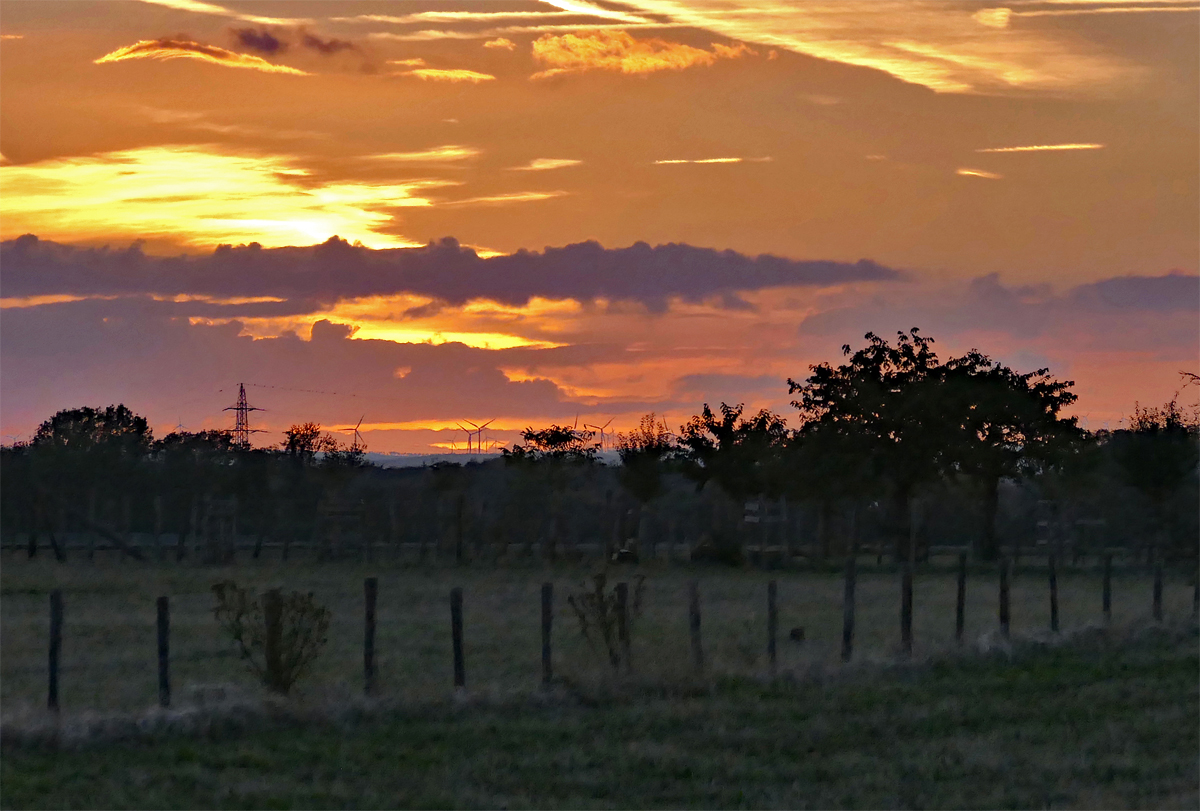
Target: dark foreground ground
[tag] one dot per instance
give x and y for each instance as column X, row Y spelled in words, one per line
column 1093, row 724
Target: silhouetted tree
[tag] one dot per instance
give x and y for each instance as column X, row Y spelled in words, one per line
column 740, row 454
column 1003, row 423
column 643, row 452
column 886, row 398
column 1157, row 454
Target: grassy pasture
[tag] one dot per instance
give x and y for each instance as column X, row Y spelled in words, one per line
column 108, row 654
column 1096, row 723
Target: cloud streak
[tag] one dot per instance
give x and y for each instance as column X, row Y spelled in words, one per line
column 978, row 173
column 545, row 164
column 220, row 11
column 187, row 49
column 676, row 161
column 1041, row 148
column 449, row 75
column 619, row 51
column 442, row 271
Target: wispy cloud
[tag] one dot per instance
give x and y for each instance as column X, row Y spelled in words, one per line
column 449, row 152
column 12, row 36
column 198, row 196
column 542, row 164
column 935, row 44
column 618, row 51
column 1041, row 148
column 1000, row 17
column 978, row 173
column 415, row 62
column 500, row 42
column 511, row 197
column 449, row 75
column 325, row 46
column 220, row 11
column 187, row 49
column 713, row 160
column 197, row 121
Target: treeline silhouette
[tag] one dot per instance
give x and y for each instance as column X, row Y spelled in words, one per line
column 893, row 450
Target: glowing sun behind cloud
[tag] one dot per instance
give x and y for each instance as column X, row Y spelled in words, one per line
column 197, row 196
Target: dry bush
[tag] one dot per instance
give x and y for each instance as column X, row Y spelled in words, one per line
column 596, row 609
column 279, row 636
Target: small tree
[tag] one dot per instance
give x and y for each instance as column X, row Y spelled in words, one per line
column 278, row 636
column 1157, row 453
column 643, row 452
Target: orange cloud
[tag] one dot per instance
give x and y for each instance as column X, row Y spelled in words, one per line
column 978, row 173
column 542, row 164
column 453, row 75
column 618, row 51
column 186, row 49
column 1041, row 148
column 500, row 42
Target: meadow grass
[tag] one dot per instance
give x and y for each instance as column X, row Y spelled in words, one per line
column 1094, row 723
column 109, row 654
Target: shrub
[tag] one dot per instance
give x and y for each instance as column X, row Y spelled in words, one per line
column 279, row 636
column 596, row 610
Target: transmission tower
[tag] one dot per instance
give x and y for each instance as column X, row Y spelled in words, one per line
column 241, row 424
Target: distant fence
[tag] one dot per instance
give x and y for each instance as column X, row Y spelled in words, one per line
column 621, row 622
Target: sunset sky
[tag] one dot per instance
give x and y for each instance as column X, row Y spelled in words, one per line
column 583, row 209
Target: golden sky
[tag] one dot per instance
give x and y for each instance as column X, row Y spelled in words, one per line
column 1021, row 177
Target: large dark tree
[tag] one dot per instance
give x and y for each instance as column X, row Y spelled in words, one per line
column 882, row 404
column 1003, row 423
column 644, row 452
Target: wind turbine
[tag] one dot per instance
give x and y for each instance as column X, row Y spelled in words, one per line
column 468, row 432
column 600, row 430
column 358, row 444
column 478, row 434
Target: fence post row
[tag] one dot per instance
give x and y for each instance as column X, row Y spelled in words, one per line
column 694, row 624
column 164, row 652
column 370, row 593
column 547, row 620
column 772, row 624
column 56, row 619
column 456, row 633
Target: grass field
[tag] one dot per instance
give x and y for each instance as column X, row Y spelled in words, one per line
column 1090, row 724
column 109, row 653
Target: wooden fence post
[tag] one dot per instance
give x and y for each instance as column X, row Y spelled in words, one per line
column 1106, row 598
column 1004, row 604
column 91, row 514
column 547, row 619
column 848, row 608
column 1158, row 589
column 1054, row 593
column 164, row 652
column 960, row 600
column 622, row 591
column 694, row 624
column 56, row 619
column 272, row 601
column 158, row 527
column 370, row 592
column 906, row 604
column 456, row 634
column 772, row 624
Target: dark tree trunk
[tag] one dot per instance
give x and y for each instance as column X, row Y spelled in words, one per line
column 989, row 545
